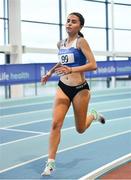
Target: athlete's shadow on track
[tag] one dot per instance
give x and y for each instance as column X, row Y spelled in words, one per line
column 72, row 163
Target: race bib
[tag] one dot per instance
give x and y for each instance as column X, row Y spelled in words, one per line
column 66, row 58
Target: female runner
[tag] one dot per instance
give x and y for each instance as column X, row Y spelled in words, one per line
column 75, row 58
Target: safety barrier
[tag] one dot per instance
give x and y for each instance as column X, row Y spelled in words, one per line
column 31, row 73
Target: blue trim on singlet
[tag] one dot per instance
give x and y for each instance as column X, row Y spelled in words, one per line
column 71, row 56
column 79, row 58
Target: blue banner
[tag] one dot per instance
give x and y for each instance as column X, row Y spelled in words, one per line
column 111, row 68
column 31, row 73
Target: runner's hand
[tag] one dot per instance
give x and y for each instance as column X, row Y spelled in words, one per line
column 45, row 78
column 63, row 70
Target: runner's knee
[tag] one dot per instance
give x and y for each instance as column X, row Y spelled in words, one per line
column 56, row 125
column 80, row 130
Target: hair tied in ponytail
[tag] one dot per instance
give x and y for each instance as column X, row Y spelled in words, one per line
column 80, row 34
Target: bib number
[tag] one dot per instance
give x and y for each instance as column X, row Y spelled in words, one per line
column 66, row 58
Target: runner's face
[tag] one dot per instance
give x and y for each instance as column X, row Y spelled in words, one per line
column 73, row 24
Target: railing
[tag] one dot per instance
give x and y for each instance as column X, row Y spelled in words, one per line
column 12, row 49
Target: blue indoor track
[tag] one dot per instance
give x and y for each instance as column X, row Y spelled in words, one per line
column 24, row 131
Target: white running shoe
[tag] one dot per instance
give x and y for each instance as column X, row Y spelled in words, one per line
column 50, row 166
column 98, row 117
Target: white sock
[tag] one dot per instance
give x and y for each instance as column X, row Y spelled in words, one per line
column 51, row 160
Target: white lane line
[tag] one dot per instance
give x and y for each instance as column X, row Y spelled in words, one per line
column 51, row 101
column 48, row 119
column 29, row 104
column 33, row 122
column 50, row 109
column 23, row 113
column 35, row 136
column 23, row 131
column 106, row 168
column 63, row 129
column 65, row 149
column 115, row 109
column 94, row 93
